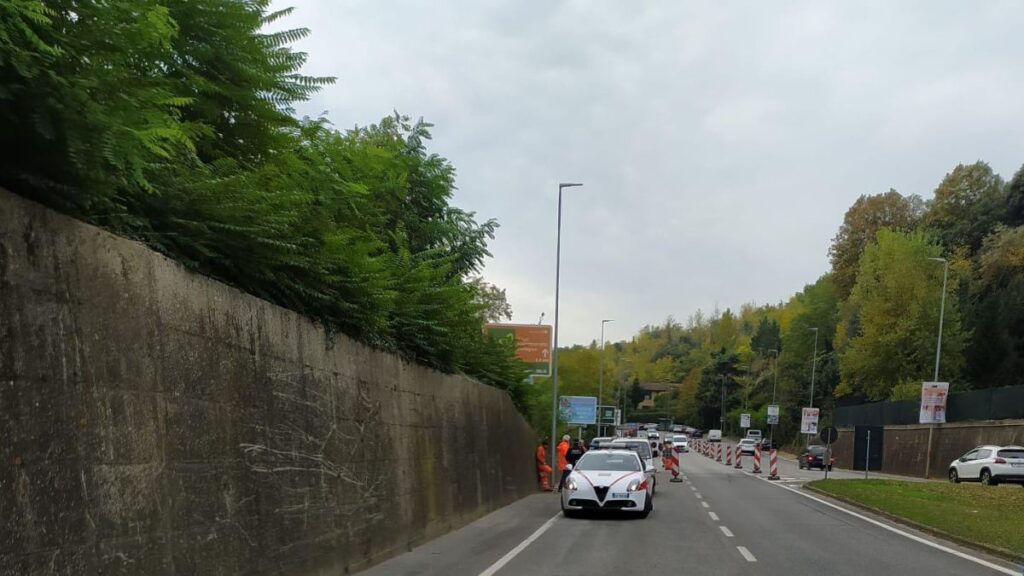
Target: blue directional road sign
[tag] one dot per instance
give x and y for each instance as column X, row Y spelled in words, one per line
column 580, row 410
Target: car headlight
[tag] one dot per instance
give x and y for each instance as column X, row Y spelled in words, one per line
column 636, row 486
column 570, row 484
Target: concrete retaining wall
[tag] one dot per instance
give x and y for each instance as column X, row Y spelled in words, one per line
column 153, row 421
column 906, row 448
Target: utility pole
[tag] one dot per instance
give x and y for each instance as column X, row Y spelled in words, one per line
column 600, row 380
column 554, row 352
column 814, row 365
column 775, row 385
column 942, row 314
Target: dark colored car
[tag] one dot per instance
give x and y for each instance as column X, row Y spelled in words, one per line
column 815, row 457
column 697, row 434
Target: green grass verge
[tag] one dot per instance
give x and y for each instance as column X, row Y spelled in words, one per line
column 987, row 516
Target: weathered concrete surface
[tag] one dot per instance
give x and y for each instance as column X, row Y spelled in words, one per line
column 906, row 447
column 153, row 421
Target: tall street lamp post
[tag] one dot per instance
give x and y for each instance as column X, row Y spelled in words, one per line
column 938, row 355
column 942, row 313
column 775, row 385
column 554, row 353
column 814, row 367
column 600, row 380
column 814, row 364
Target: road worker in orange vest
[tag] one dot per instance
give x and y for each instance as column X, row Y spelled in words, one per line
column 563, row 449
column 543, row 470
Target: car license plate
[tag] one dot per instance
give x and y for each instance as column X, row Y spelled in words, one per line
column 620, row 494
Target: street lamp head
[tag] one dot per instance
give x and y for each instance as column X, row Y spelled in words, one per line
column 568, row 185
column 813, row 329
column 606, row 321
column 938, row 259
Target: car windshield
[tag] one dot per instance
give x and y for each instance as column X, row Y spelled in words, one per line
column 1012, row 453
column 641, row 448
column 607, row 461
column 748, row 441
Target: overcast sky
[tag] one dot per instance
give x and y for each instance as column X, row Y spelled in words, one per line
column 719, row 142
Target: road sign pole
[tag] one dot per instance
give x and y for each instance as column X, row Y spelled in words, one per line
column 867, row 456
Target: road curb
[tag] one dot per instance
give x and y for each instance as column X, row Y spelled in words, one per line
column 982, row 547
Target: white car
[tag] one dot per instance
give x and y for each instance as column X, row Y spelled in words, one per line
column 641, row 447
column 655, row 439
column 609, row 480
column 681, row 443
column 990, row 465
column 746, row 446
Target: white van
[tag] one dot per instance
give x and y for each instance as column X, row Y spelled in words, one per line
column 714, row 435
column 754, row 434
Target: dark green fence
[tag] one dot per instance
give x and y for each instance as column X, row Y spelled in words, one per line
column 987, row 404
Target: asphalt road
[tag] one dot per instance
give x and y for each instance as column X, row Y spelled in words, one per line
column 720, row 521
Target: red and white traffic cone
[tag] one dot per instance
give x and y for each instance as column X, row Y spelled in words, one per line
column 757, row 459
column 739, row 459
column 773, row 465
column 728, row 455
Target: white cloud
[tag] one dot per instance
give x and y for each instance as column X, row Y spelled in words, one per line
column 720, row 142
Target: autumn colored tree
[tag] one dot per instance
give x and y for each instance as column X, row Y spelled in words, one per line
column 863, row 219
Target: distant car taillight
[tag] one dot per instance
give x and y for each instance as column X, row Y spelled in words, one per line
column 810, row 458
column 1000, row 461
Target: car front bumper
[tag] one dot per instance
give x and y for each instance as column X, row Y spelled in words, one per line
column 587, row 500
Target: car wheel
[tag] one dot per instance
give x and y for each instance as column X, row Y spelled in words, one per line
column 648, row 506
column 799, row 464
column 986, row 478
column 953, row 476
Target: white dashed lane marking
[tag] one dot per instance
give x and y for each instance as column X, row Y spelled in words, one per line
column 705, row 504
column 713, row 516
column 746, row 554
column 728, row 533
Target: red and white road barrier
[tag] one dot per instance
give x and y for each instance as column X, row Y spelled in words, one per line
column 757, row 459
column 728, row 455
column 773, row 465
column 739, row 459
column 718, row 452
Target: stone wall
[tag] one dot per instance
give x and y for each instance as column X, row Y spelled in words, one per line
column 153, row 421
column 906, row 449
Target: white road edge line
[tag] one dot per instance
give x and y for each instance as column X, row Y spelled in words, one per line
column 713, row 516
column 705, row 504
column 726, row 531
column 493, row 568
column 895, row 530
column 746, row 554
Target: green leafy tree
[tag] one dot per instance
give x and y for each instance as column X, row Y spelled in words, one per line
column 896, row 302
column 863, row 219
column 767, row 336
column 1015, row 199
column 718, row 379
column 969, row 203
column 996, row 352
